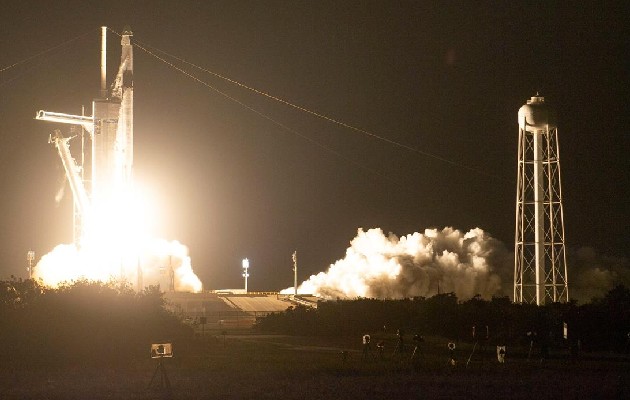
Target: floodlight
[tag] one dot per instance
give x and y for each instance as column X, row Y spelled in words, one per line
column 245, row 273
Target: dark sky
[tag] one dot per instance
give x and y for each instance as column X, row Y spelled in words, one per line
column 444, row 77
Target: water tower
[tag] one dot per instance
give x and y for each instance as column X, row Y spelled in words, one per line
column 540, row 267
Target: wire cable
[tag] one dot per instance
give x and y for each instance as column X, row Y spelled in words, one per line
column 327, row 118
column 145, row 47
column 261, row 114
column 45, row 51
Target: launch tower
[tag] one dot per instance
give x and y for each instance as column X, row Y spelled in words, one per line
column 540, row 267
column 111, row 241
column 110, row 130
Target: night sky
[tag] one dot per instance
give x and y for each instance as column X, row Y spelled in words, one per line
column 446, row 78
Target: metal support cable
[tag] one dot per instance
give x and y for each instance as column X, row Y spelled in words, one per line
column 45, row 51
column 145, row 47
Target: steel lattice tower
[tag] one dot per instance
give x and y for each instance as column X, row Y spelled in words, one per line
column 540, row 267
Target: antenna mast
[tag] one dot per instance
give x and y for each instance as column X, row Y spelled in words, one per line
column 295, row 272
column 103, row 62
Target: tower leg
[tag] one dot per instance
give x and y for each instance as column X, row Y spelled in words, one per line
column 539, row 217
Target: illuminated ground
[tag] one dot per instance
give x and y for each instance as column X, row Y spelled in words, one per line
column 259, row 303
column 210, row 304
column 229, row 310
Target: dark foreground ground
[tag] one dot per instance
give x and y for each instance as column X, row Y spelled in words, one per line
column 281, row 367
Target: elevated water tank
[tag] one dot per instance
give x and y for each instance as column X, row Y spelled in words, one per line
column 536, row 115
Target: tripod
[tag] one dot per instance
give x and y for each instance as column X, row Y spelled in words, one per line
column 417, row 351
column 367, row 349
column 400, row 347
column 164, row 382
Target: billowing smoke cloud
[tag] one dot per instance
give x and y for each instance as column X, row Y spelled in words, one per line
column 154, row 262
column 447, row 260
column 593, row 275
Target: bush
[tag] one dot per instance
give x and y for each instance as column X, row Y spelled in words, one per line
column 603, row 324
column 82, row 323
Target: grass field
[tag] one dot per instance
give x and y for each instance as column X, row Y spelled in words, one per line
column 249, row 366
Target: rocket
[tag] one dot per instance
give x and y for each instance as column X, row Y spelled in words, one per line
column 110, row 130
column 109, row 241
column 112, row 140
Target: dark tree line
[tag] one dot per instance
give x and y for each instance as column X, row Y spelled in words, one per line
column 82, row 323
column 603, row 324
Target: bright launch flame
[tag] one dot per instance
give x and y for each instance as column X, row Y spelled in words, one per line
column 117, row 245
column 379, row 266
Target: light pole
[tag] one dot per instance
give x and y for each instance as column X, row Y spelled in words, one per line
column 245, row 273
column 139, row 275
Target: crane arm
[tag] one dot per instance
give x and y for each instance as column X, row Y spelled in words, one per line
column 72, row 172
column 85, row 121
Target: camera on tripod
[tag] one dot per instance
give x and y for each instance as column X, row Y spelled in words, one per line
column 161, row 350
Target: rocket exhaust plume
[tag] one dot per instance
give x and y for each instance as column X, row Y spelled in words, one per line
column 117, row 246
column 154, row 262
column 419, row 264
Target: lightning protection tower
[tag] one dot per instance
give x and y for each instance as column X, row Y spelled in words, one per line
column 540, row 268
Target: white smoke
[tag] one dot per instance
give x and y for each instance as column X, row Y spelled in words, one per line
column 154, row 262
column 380, row 266
column 592, row 274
